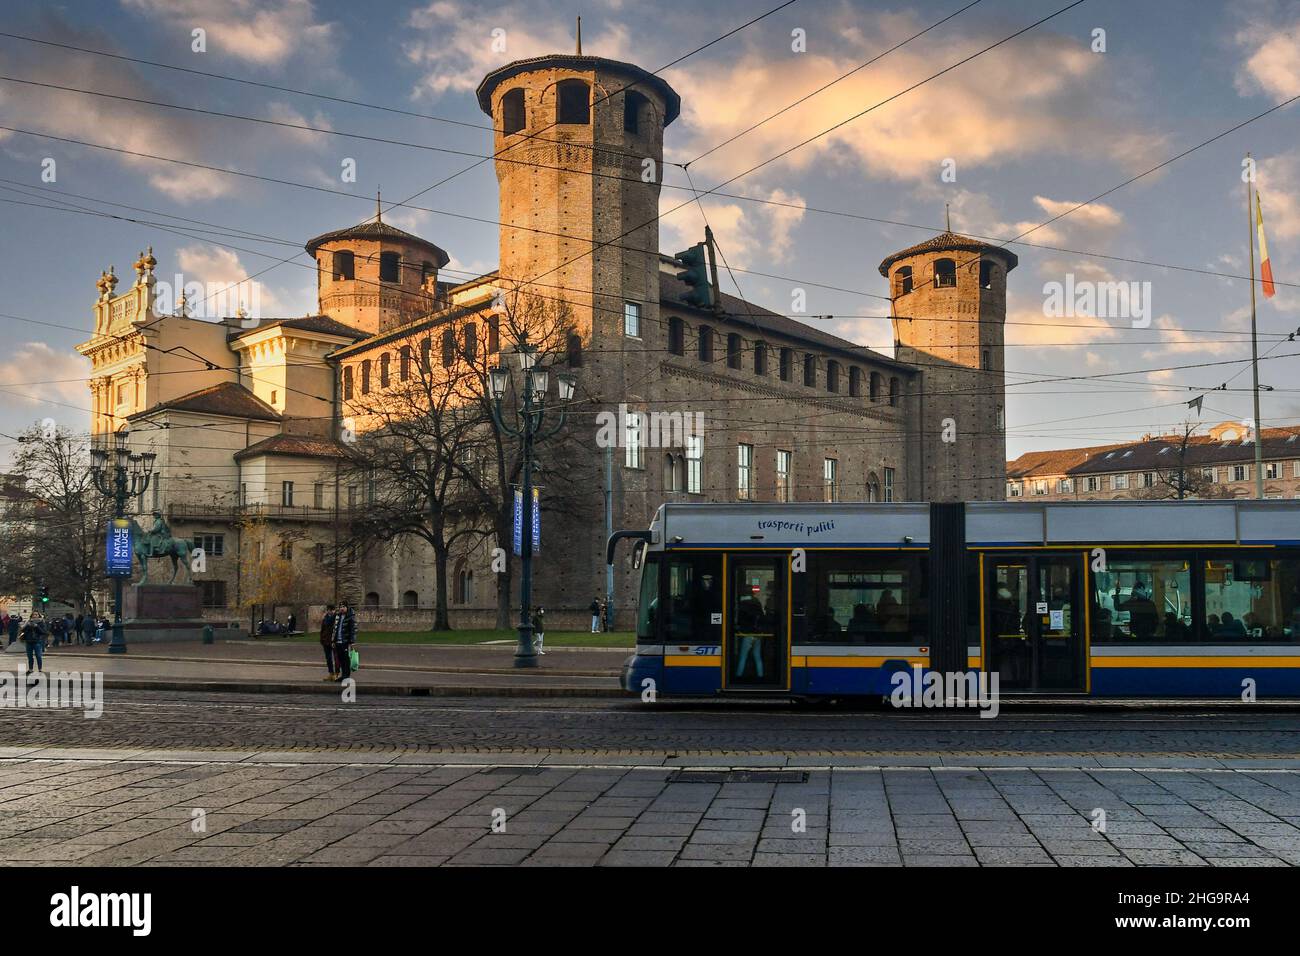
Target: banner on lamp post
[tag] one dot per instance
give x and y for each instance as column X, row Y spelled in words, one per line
column 519, row 523
column 120, row 545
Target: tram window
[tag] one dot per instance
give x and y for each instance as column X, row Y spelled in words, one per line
column 1251, row 600
column 647, row 606
column 865, row 599
column 694, row 597
column 1142, row 600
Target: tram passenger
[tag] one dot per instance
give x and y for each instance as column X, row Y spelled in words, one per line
column 1142, row 613
column 1230, row 628
column 892, row 615
column 750, row 628
column 861, row 624
column 1174, row 629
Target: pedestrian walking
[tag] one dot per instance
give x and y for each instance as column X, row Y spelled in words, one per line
column 345, row 635
column 293, row 623
column 604, row 616
column 77, row 627
column 69, row 628
column 12, row 626
column 55, row 631
column 33, row 634
column 539, row 629
column 595, row 614
column 327, row 641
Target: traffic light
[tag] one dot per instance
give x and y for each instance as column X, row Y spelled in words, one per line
column 45, row 594
column 696, row 276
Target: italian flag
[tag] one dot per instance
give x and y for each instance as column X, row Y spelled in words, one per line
column 1265, row 265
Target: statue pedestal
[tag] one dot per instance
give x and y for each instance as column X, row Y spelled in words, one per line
column 162, row 612
column 163, row 602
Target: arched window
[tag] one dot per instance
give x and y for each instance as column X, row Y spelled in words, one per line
column 448, row 347
column 706, row 343
column 427, row 271
column 945, row 274
column 404, row 364
column 676, row 336
column 873, row 487
column 573, row 350
column 425, row 348
column 633, row 102
column 372, row 599
column 670, row 476
column 494, row 334
column 986, row 274
column 855, row 382
column 894, row 390
column 464, row 592
column 410, row 599
column 832, row 376
column 573, row 102
column 733, row 350
column 365, row 376
column 389, row 266
column 347, row 381
column 384, row 361
column 903, row 281
column 810, row 370
column 874, row 393
column 343, row 265
column 514, row 117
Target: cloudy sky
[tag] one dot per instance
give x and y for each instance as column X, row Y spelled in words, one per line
column 1029, row 129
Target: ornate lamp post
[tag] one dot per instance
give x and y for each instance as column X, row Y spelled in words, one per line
column 530, row 416
column 127, row 476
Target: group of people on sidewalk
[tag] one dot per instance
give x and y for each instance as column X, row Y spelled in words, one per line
column 39, row 632
column 599, row 615
column 338, row 632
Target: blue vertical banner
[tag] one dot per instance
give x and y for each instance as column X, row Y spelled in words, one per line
column 120, row 543
column 519, row 522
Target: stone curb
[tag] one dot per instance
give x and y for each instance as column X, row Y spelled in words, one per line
column 363, row 689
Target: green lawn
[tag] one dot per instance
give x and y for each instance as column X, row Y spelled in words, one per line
column 553, row 638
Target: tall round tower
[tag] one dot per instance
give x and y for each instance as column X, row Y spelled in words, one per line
column 949, row 299
column 374, row 276
column 579, row 155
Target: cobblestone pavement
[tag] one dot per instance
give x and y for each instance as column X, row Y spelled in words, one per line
column 116, row 812
column 173, row 719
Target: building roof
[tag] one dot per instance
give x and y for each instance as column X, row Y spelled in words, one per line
column 377, row 230
column 227, row 398
column 950, row 241
column 1155, row 453
column 672, row 292
column 672, row 102
column 307, row 323
column 297, row 446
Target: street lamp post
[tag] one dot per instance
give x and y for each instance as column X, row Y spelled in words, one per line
column 530, row 415
column 126, row 477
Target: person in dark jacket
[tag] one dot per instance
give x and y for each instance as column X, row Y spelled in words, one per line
column 345, row 634
column 539, row 629
column 327, row 641
column 33, row 634
column 15, row 624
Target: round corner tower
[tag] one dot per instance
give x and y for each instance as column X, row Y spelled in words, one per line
column 949, row 297
column 579, row 155
column 374, row 276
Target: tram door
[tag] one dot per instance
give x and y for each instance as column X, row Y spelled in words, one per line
column 757, row 653
column 1033, row 632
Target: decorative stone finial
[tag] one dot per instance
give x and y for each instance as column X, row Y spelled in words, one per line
column 111, row 280
column 149, row 260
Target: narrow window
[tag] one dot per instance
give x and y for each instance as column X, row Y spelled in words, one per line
column 855, row 382
column 889, row 484
column 404, row 363
column 986, row 274
column 632, row 320
column 494, row 334
column 347, row 381
column 632, row 440
column 706, row 343
column 893, row 390
column 513, row 115
column 945, row 274
column 384, row 361
column 832, row 376
column 787, row 364
column 471, row 341
column 389, row 266
column 745, row 472
column 573, row 350
column 694, row 463
column 448, row 347
column 733, row 351
column 318, row 495
column 632, row 105
column 810, row 370
column 286, row 494
column 365, row 377
column 830, row 474
column 676, row 336
column 875, row 387
column 783, row 475
column 760, row 358
column 344, row 265
column 425, row 348
column 574, row 102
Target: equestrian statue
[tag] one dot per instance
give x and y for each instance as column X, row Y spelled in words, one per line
column 159, row 543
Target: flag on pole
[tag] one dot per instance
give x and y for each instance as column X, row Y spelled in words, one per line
column 1265, row 265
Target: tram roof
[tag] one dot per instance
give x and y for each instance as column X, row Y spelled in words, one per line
column 988, row 523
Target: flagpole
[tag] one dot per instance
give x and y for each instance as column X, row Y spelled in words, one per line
column 1254, row 341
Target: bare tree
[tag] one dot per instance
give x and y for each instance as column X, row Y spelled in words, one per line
column 58, row 539
column 1182, row 478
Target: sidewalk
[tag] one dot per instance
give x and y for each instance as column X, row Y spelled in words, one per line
column 401, row 669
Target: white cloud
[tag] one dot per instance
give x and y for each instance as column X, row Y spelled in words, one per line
column 214, row 267
column 1271, row 47
column 264, row 34
column 65, row 370
column 747, row 234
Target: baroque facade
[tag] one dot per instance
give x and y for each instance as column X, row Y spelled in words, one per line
column 247, row 416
